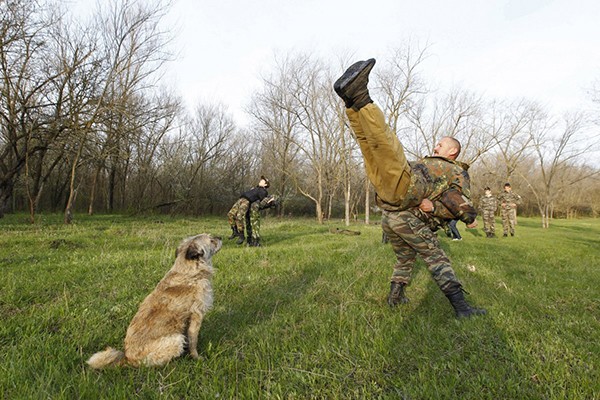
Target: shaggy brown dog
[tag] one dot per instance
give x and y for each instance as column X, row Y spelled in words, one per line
column 177, row 305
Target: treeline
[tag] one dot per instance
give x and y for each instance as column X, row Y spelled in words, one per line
column 87, row 125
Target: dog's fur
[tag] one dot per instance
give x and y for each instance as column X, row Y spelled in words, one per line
column 177, row 306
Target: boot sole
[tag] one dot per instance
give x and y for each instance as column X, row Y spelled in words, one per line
column 356, row 70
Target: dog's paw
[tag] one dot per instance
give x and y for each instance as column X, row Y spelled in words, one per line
column 194, row 355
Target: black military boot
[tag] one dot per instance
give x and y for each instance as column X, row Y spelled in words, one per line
column 234, row 232
column 352, row 85
column 462, row 308
column 256, row 242
column 241, row 237
column 396, row 295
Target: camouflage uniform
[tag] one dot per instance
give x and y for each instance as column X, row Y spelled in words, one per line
column 400, row 185
column 508, row 211
column 253, row 217
column 410, row 236
column 400, row 189
column 487, row 207
column 237, row 214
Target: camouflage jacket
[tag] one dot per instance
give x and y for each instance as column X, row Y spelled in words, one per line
column 439, row 176
column 488, row 203
column 507, row 198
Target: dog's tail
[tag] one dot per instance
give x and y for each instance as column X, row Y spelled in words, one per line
column 106, row 358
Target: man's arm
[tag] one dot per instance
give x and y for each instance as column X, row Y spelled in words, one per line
column 451, row 205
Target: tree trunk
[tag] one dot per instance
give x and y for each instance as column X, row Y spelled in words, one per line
column 367, row 204
column 93, row 192
column 347, row 204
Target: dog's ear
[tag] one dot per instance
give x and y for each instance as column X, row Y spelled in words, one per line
column 194, row 253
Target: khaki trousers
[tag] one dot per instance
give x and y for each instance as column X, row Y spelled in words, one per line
column 385, row 162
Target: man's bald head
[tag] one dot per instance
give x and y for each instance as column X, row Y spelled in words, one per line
column 447, row 147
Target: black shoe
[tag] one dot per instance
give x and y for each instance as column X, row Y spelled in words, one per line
column 241, row 238
column 505, row 235
column 234, row 232
column 396, row 295
column 460, row 305
column 512, row 234
column 352, row 85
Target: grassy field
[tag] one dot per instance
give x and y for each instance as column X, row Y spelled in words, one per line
column 305, row 316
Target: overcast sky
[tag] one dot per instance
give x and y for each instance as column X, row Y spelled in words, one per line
column 544, row 50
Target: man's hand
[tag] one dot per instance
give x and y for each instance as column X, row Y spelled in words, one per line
column 472, row 225
column 426, row 205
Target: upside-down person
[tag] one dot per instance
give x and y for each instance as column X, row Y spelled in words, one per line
column 416, row 198
column 237, row 214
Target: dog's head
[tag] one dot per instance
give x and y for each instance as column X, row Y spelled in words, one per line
column 199, row 247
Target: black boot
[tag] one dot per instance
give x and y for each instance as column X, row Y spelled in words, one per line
column 241, row 238
column 396, row 295
column 234, row 233
column 352, row 85
column 462, row 308
column 256, row 242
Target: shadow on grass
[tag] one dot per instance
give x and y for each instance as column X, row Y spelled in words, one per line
column 461, row 358
column 235, row 314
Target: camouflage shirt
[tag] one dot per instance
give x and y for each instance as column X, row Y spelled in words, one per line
column 488, row 203
column 432, row 176
column 507, row 198
column 436, row 174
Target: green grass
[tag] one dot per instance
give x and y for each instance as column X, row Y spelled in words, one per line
column 304, row 316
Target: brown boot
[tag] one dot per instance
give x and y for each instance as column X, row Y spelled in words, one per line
column 352, row 85
column 396, row 295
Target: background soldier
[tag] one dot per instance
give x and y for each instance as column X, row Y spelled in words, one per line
column 253, row 219
column 508, row 207
column 237, row 214
column 488, row 206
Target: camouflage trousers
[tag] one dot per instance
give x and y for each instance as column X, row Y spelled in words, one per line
column 509, row 220
column 253, row 220
column 410, row 237
column 237, row 214
column 489, row 221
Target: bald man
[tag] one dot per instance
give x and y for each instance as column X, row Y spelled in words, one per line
column 416, row 198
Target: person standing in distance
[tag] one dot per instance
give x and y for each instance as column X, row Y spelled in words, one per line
column 509, row 201
column 488, row 204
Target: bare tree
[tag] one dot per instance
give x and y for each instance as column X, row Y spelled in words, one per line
column 276, row 129
column 26, row 77
column 134, row 49
column 302, row 92
column 558, row 155
column 458, row 114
